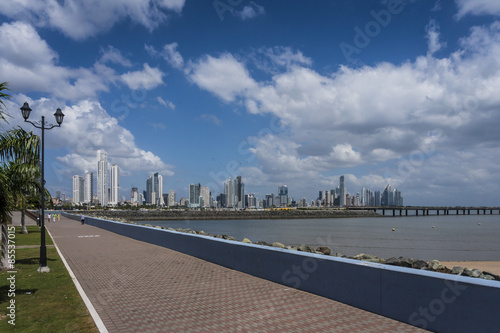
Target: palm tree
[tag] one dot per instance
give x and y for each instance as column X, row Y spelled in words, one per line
column 3, row 95
column 18, row 169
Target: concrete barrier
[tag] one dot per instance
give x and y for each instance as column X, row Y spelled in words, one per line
column 434, row 301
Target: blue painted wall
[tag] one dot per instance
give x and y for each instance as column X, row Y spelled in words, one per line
column 434, row 301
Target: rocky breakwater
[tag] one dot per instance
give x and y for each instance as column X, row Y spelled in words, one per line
column 432, row 265
column 181, row 214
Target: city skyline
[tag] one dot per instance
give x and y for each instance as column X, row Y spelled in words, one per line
column 282, row 92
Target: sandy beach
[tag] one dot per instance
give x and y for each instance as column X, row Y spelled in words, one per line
column 489, row 266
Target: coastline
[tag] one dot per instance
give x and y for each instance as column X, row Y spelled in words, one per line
column 173, row 215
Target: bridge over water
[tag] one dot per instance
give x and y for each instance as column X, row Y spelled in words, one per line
column 425, row 211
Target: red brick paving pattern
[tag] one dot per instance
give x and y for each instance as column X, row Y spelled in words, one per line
column 139, row 287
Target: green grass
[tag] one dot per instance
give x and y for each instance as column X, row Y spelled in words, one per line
column 45, row 302
column 32, row 237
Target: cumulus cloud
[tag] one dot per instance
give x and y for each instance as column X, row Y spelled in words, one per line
column 80, row 19
column 224, row 76
column 477, row 7
column 88, row 127
column 165, row 103
column 148, row 78
column 434, row 44
column 386, row 113
column 30, row 64
column 250, row 11
column 113, row 55
column 169, row 53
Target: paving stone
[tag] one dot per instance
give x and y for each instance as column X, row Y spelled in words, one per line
column 140, row 287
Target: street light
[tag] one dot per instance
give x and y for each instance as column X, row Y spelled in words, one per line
column 25, row 110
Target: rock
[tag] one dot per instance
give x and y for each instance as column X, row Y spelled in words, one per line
column 305, row 248
column 443, row 269
column 467, row 272
column 263, row 243
column 401, row 261
column 419, row 264
column 476, row 273
column 219, row 236
column 228, row 237
column 278, row 244
column 201, row 232
column 457, row 270
column 364, row 256
column 433, row 265
column 496, row 277
column 246, row 240
column 324, row 250
column 486, row 277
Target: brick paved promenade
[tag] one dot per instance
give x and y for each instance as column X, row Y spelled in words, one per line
column 139, row 287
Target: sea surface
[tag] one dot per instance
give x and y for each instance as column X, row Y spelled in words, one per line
column 446, row 238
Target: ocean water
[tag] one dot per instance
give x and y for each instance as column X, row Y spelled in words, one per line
column 452, row 237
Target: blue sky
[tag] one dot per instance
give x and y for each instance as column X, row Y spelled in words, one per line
column 279, row 92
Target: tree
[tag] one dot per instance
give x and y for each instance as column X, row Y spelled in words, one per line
column 19, row 160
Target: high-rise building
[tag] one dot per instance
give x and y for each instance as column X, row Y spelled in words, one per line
column 134, row 196
column 158, row 188
column 194, row 195
column 78, row 186
column 205, row 195
column 88, row 192
column 387, row 196
column 102, row 177
column 115, row 184
column 171, row 198
column 283, row 195
column 342, row 201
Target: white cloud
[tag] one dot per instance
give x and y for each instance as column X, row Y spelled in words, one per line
column 114, row 55
column 87, row 127
column 167, row 103
column 210, row 118
column 477, row 7
column 250, row 11
column 223, row 76
column 274, row 59
column 148, row 78
column 434, row 44
column 169, row 53
column 29, row 64
column 80, row 19
column 377, row 115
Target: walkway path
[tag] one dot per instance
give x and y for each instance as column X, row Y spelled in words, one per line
column 139, row 287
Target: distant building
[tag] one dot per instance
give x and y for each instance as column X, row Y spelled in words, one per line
column 78, row 188
column 102, row 177
column 171, row 198
column 194, row 195
column 342, row 194
column 88, row 192
column 283, row 195
column 115, row 184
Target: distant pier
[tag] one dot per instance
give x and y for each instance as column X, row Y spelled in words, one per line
column 426, row 211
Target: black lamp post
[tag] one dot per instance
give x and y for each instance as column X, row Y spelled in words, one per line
column 25, row 109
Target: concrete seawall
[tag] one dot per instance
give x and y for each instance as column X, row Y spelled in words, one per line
column 434, row 301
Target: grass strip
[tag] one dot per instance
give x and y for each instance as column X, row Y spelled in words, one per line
column 44, row 302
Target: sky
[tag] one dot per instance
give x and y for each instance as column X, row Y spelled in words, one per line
column 280, row 92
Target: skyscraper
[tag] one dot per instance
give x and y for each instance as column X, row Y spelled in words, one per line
column 134, row 195
column 78, row 186
column 194, row 195
column 115, row 184
column 171, row 198
column 205, row 195
column 102, row 177
column 342, row 195
column 88, row 192
column 283, row 195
